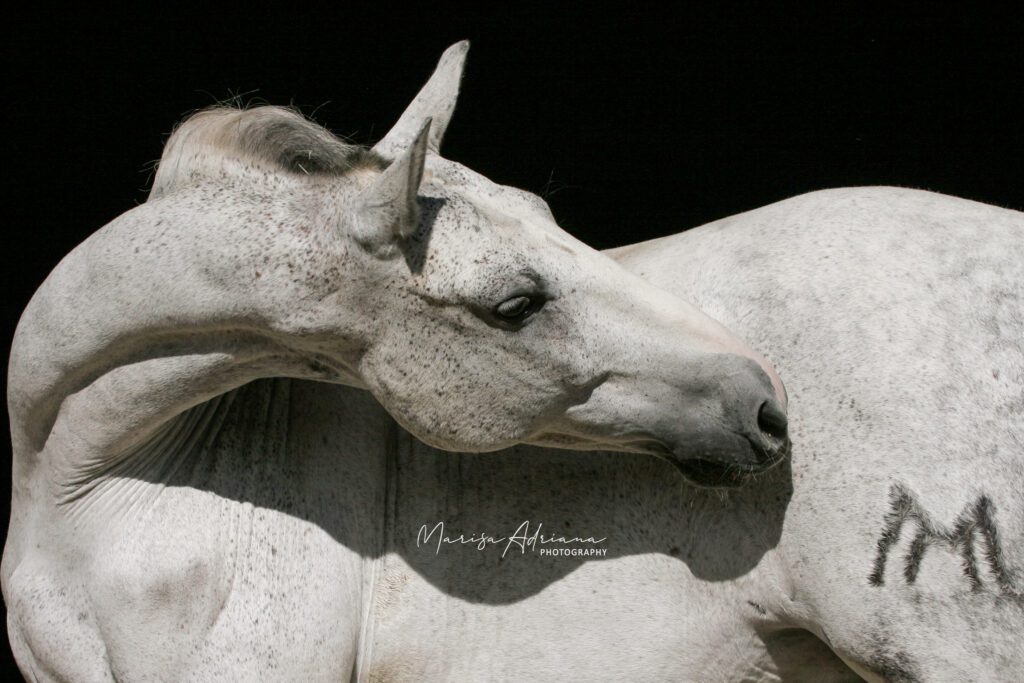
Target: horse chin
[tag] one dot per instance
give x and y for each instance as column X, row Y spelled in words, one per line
column 717, row 475
column 710, row 475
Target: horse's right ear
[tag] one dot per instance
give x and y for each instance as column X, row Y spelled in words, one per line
column 387, row 211
column 435, row 100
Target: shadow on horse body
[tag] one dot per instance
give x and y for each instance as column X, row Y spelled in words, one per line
column 290, row 446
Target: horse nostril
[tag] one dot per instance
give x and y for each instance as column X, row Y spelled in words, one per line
column 771, row 420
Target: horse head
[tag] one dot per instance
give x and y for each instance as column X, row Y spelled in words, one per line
column 495, row 326
column 478, row 323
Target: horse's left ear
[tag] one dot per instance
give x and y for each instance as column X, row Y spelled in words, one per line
column 436, row 100
column 387, row 211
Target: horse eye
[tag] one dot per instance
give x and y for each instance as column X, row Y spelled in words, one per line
column 515, row 309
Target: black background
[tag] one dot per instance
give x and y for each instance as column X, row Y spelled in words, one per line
column 632, row 122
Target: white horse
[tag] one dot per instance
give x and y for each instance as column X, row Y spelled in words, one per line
column 179, row 513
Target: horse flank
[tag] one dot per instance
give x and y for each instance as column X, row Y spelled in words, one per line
column 274, row 138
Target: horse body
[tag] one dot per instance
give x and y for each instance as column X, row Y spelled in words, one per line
column 286, row 542
column 202, row 498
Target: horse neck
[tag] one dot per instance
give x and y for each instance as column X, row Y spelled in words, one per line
column 176, row 301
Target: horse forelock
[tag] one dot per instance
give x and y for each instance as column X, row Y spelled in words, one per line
column 276, row 138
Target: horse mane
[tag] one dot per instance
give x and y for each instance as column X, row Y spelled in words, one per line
column 275, row 138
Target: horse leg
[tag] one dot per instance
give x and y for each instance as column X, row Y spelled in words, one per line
column 52, row 631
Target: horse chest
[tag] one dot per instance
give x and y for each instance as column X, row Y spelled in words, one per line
column 245, row 561
column 209, row 585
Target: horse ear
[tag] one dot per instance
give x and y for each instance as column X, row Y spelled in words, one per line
column 387, row 212
column 435, row 100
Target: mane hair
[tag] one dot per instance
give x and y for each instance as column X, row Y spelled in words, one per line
column 276, row 138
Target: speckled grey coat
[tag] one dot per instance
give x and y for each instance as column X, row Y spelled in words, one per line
column 198, row 495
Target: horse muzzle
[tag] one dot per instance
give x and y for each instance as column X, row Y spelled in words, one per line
column 742, row 455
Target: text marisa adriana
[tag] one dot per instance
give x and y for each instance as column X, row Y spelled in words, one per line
column 524, row 539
